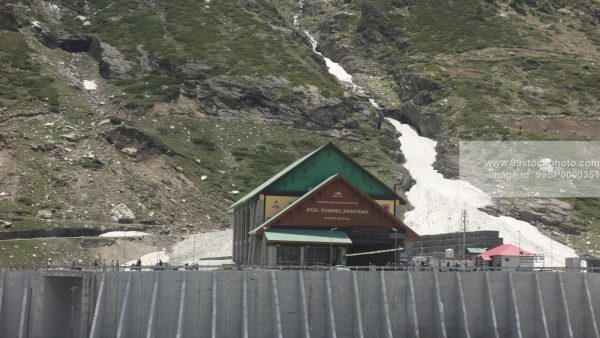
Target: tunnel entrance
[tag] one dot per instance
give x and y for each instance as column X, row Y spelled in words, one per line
column 62, row 307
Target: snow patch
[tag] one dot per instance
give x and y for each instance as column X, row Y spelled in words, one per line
column 439, row 202
column 116, row 234
column 89, row 85
column 152, row 258
column 207, row 244
column 334, row 68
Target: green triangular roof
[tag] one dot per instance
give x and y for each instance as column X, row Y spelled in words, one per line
column 273, row 180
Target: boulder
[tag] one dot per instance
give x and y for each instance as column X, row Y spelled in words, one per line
column 44, row 214
column 112, row 64
column 122, row 214
column 5, row 224
column 71, row 137
column 130, row 151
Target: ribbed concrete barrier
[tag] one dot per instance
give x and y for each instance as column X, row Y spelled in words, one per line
column 258, row 303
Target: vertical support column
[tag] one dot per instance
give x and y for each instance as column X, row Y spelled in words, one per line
column 387, row 326
column 565, row 307
column 213, row 324
column 263, row 251
column 439, row 307
column 304, row 307
column 302, row 250
column 120, row 333
column 253, row 257
column 98, row 309
column 86, row 292
column 463, row 307
column 513, row 306
column 236, row 237
column 1, row 294
column 181, row 307
column 244, row 305
column 412, row 303
column 24, row 313
column 278, row 332
column 491, row 308
column 358, row 327
column 589, row 305
column 540, row 301
column 151, row 316
column 332, row 330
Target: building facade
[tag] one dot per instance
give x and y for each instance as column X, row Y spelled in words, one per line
column 317, row 210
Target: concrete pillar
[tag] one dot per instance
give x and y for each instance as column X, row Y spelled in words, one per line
column 213, row 329
column 438, row 308
column 331, row 318
column 24, row 308
column 540, row 302
column 358, row 323
column 253, row 252
column 120, row 330
column 568, row 328
column 94, row 332
column 86, row 303
column 1, row 295
column 590, row 308
column 150, row 327
column 272, row 261
column 235, row 236
column 278, row 330
column 302, row 250
column 464, row 323
column 412, row 306
column 263, row 249
column 513, row 308
column 303, row 306
column 387, row 326
column 181, row 311
column 245, row 305
column 491, row 313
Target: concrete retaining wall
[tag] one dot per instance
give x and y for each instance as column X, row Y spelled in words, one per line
column 298, row 304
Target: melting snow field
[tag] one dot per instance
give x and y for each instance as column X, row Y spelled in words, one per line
column 207, row 244
column 439, row 202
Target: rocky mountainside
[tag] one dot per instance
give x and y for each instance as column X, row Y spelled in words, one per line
column 156, row 115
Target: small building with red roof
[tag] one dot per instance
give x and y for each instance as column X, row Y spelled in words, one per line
column 506, row 256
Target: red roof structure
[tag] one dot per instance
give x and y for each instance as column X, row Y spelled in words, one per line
column 504, row 250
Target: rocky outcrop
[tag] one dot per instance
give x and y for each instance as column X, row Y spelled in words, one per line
column 427, row 124
column 551, row 214
column 122, row 214
column 111, row 63
column 276, row 99
column 415, row 87
column 8, row 22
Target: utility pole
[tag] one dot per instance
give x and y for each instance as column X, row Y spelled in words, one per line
column 463, row 247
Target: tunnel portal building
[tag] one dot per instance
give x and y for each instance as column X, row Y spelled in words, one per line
column 314, row 212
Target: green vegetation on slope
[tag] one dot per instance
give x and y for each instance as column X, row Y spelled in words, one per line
column 21, row 78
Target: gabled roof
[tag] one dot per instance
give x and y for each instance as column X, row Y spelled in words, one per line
column 505, row 250
column 409, row 232
column 296, row 164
